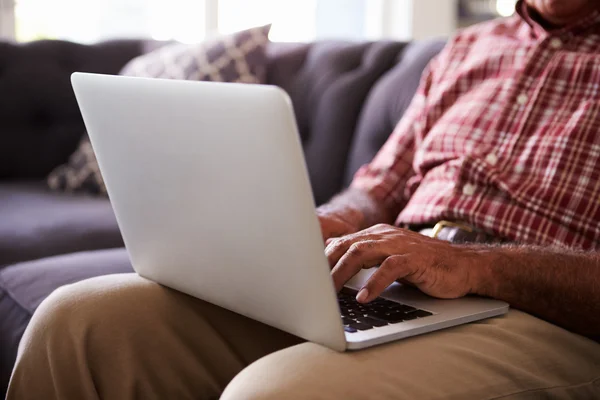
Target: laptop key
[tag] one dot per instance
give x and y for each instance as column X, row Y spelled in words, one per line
column 350, row 329
column 421, row 313
column 372, row 321
column 410, row 316
column 391, row 318
column 378, row 312
column 360, row 326
column 402, row 308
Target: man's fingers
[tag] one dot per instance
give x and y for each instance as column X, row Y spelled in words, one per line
column 336, row 248
column 391, row 269
column 362, row 254
column 339, row 246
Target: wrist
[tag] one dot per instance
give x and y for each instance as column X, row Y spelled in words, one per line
column 483, row 279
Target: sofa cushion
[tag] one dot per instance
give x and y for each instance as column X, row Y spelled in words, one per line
column 23, row 287
column 387, row 102
column 81, row 174
column 328, row 83
column 40, row 123
column 239, row 57
column 36, row 222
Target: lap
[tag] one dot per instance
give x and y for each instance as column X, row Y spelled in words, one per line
column 517, row 356
column 128, row 329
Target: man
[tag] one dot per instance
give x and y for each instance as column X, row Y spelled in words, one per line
column 503, row 135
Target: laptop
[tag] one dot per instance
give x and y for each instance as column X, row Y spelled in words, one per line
column 211, row 193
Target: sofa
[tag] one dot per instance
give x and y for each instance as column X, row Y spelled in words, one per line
column 347, row 98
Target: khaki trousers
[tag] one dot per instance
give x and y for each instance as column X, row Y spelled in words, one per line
column 123, row 337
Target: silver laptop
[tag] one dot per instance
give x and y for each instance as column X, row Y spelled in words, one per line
column 210, row 189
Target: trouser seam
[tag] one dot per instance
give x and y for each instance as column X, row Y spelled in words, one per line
column 505, row 396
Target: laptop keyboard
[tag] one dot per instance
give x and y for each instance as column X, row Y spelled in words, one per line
column 380, row 312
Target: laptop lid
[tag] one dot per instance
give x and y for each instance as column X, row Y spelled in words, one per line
column 210, row 189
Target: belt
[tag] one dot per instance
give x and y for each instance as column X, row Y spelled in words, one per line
column 456, row 232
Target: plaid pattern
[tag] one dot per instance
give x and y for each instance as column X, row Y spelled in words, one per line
column 503, row 134
column 80, row 174
column 236, row 58
column 240, row 57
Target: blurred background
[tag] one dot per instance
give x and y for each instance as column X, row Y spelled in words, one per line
column 190, row 21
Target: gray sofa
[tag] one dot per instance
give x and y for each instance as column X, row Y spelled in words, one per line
column 347, row 99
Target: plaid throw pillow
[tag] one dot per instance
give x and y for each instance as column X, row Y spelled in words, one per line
column 240, row 57
column 236, row 58
column 80, row 173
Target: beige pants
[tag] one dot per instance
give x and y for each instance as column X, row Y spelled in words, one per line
column 122, row 337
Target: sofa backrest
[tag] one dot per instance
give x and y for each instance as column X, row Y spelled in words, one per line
column 40, row 124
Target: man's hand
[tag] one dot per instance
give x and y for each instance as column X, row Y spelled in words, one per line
column 436, row 267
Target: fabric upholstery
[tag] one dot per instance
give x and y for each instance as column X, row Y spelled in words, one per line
column 23, row 287
column 40, row 124
column 36, row 222
column 81, row 174
column 328, row 83
column 387, row 102
column 239, row 57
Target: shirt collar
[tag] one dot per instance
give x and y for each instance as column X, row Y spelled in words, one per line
column 539, row 31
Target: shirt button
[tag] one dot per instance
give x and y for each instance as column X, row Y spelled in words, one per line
column 491, row 159
column 469, row 189
column 556, row 43
column 519, row 169
column 522, row 99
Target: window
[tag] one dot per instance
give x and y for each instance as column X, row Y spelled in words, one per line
column 182, row 20
column 192, row 21
column 292, row 20
column 89, row 21
column 187, row 20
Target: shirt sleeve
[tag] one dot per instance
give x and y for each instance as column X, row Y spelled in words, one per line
column 386, row 176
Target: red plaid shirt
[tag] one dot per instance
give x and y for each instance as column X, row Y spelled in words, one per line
column 504, row 134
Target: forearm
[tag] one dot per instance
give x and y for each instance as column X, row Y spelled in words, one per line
column 358, row 208
column 555, row 284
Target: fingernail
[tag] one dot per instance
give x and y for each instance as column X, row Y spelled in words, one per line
column 362, row 295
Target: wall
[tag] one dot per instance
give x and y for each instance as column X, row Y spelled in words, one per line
column 348, row 16
column 434, row 18
column 414, row 19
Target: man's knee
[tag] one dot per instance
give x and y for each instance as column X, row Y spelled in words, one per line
column 90, row 309
column 122, row 336
column 305, row 371
column 477, row 360
column 311, row 371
